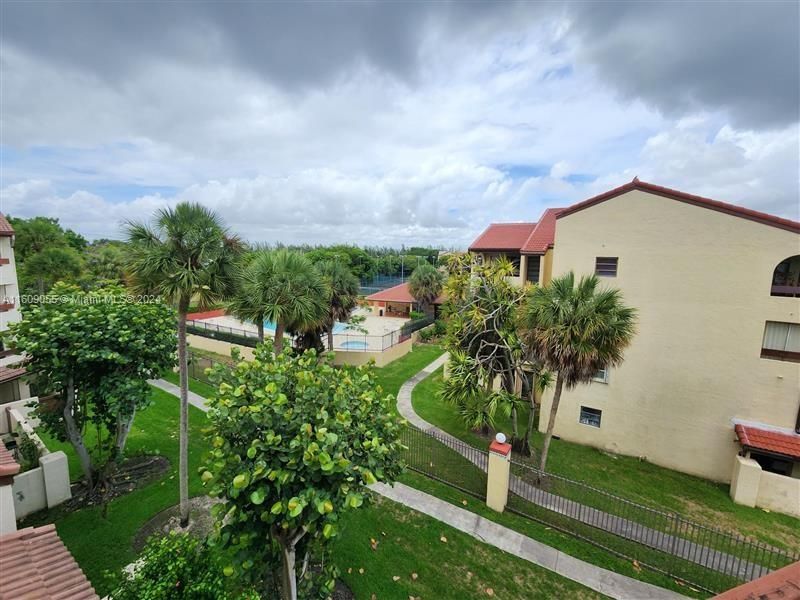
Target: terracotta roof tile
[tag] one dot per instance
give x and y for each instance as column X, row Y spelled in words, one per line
column 5, row 227
column 8, row 465
column 786, row 444
column 783, row 583
column 35, row 565
column 10, row 374
column 724, row 207
column 503, row 236
column 544, row 234
column 399, row 293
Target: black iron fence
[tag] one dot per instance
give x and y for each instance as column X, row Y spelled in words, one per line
column 349, row 341
column 708, row 558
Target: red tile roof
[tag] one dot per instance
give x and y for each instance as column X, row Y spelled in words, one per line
column 783, row 583
column 724, row 207
column 209, row 314
column 5, row 227
column 399, row 293
column 544, row 234
column 776, row 442
column 9, row 374
column 8, row 465
column 503, row 236
column 35, row 565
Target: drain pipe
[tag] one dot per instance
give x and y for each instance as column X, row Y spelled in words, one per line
column 797, row 423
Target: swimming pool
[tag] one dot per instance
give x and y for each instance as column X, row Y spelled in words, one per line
column 353, row 345
column 337, row 327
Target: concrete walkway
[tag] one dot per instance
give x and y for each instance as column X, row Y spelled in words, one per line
column 606, row 582
column 491, row 533
column 624, row 528
column 194, row 399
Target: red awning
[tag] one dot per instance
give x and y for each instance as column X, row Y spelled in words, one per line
column 774, row 442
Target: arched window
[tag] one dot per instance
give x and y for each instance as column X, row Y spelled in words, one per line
column 786, row 278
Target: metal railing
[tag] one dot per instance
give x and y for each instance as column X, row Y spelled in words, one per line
column 708, row 558
column 346, row 342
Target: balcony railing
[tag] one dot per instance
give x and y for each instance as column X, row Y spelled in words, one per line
column 790, row 291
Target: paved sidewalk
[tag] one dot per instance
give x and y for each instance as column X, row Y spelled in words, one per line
column 624, row 528
column 599, row 579
column 194, row 399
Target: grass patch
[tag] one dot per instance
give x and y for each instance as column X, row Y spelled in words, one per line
column 410, row 542
column 698, row 499
column 100, row 544
column 200, row 388
column 395, row 374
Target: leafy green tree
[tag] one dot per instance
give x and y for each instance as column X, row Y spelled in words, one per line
column 344, row 288
column 360, row 263
column 42, row 270
column 34, row 235
column 425, row 284
column 575, row 330
column 483, row 342
column 177, row 567
column 186, row 254
column 75, row 240
column 294, row 442
column 104, row 261
column 95, row 351
column 293, row 293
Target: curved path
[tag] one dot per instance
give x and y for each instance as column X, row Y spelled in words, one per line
column 624, row 528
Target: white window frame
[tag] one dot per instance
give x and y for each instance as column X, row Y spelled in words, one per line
column 601, row 378
column 587, row 421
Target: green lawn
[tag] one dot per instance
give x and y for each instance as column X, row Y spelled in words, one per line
column 667, row 490
column 100, row 544
column 395, row 374
column 411, row 543
column 195, row 385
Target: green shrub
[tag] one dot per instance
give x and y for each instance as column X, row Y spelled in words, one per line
column 178, row 567
column 415, row 314
column 224, row 336
column 427, row 334
column 27, row 450
column 439, row 327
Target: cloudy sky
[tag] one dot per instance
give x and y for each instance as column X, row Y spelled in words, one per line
column 390, row 123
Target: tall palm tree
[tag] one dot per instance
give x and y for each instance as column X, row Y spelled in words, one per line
column 185, row 254
column 575, row 330
column 294, row 294
column 344, row 294
column 248, row 301
column 425, row 284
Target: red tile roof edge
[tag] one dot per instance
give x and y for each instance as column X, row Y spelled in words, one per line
column 724, row 207
column 399, row 293
column 36, row 564
column 6, row 230
column 775, row 442
column 8, row 464
column 491, row 246
column 209, row 314
column 543, row 235
column 783, row 583
column 10, row 374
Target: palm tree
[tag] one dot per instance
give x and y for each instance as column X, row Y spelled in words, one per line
column 293, row 294
column 344, row 294
column 185, row 254
column 248, row 301
column 575, row 331
column 425, row 284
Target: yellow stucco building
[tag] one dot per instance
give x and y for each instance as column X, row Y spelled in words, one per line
column 717, row 290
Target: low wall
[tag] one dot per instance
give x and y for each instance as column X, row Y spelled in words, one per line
column 48, row 484
column 752, row 486
column 341, row 357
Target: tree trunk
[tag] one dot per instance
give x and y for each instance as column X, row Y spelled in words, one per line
column 74, row 434
column 123, row 429
column 330, row 338
column 527, row 444
column 279, row 329
column 260, row 326
column 183, row 368
column 552, row 422
column 288, row 570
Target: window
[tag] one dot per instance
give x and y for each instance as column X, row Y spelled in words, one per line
column 606, row 266
column 786, row 278
column 601, row 375
column 590, row 416
column 514, row 259
column 773, row 464
column 781, row 341
column 533, row 269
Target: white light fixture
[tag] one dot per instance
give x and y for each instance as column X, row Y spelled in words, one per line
column 500, row 438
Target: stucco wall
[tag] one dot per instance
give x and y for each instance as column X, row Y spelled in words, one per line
column 8, row 284
column 700, row 280
column 779, row 493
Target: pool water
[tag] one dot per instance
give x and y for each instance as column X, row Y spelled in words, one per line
column 353, row 345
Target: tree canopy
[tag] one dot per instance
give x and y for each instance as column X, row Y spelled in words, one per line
column 294, row 441
column 95, row 351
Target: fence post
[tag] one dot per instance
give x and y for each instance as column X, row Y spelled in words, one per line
column 497, row 474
